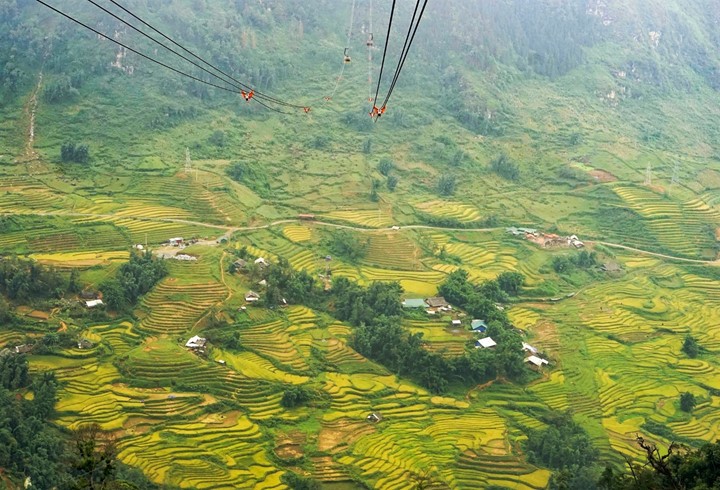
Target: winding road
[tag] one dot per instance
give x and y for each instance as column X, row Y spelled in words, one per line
column 229, row 230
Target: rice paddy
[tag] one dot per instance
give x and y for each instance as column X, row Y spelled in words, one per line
column 193, row 421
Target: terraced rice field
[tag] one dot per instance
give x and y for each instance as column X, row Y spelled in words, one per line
column 393, row 250
column 678, row 226
column 297, row 233
column 173, row 308
column 370, row 218
column 448, row 209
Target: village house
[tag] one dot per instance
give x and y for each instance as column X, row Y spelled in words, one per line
column 84, row 344
column 611, row 267
column 529, row 348
column 414, row 303
column 93, row 303
column 175, row 242
column 196, row 342
column 537, row 361
column 24, row 349
column 240, row 264
column 261, row 262
column 87, row 295
column 437, row 302
column 485, row 343
column 478, row 326
column 456, row 323
column 252, row 297
column 374, row 417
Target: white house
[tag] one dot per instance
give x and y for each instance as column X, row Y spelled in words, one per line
column 93, row 303
column 262, row 262
column 485, row 343
column 175, row 242
column 456, row 323
column 196, row 342
column 537, row 361
column 529, row 348
column 252, row 296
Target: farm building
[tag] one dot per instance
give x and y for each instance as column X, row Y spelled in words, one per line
column 478, row 326
column 308, row 217
column 252, row 296
column 537, row 361
column 240, row 264
column 262, row 283
column 84, row 344
column 437, row 302
column 185, row 257
column 611, row 267
column 196, row 342
column 485, row 343
column 529, row 348
column 176, row 242
column 374, row 417
column 93, row 303
column 86, row 295
column 414, row 303
column 23, row 349
column 456, row 323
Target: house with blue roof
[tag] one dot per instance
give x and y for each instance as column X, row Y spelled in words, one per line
column 478, row 326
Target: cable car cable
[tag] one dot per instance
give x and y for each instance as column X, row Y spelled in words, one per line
column 405, row 55
column 257, row 94
column 104, row 36
column 382, row 64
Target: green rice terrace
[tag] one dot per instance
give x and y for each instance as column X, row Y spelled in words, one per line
column 204, row 280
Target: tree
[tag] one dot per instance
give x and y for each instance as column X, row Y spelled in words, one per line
column 510, row 282
column 505, row 167
column 392, row 182
column 294, row 396
column 385, row 166
column 690, row 347
column 94, row 458
column 217, row 138
column 367, row 146
column 687, row 402
column 14, row 372
column 297, row 482
column 446, row 185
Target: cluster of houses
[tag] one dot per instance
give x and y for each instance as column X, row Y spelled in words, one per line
column 547, row 240
column 242, row 264
column 438, row 304
column 18, row 349
column 432, row 306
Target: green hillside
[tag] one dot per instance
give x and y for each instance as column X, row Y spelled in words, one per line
column 588, row 118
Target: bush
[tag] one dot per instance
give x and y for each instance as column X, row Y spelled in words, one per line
column 505, row 167
column 690, row 347
column 446, row 185
column 687, row 402
column 385, row 166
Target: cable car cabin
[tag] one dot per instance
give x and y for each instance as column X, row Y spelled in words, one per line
column 370, row 42
column 346, row 56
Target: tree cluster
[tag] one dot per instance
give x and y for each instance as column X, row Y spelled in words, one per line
column 251, row 175
column 133, row 279
column 690, row 347
column 680, row 468
column 565, row 264
column 566, row 447
column 74, row 153
column 376, row 313
column 347, row 245
column 505, row 167
column 25, row 280
column 481, row 300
